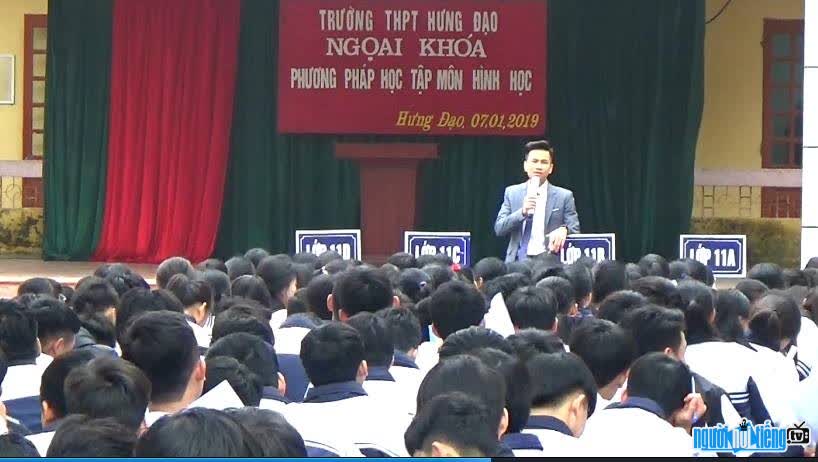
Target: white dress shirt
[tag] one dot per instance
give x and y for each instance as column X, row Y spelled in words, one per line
column 537, row 243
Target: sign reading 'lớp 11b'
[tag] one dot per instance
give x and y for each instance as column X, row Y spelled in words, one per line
column 412, row 67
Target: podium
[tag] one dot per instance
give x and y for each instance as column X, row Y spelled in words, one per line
column 389, row 173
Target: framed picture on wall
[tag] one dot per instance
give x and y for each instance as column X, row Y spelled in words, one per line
column 6, row 79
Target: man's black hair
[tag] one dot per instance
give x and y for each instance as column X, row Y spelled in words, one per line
column 415, row 283
column 658, row 377
column 255, row 255
column 239, row 319
column 332, row 353
column 317, row 292
column 654, row 265
column 605, row 347
column 277, row 274
column 562, row 290
column 252, row 287
column 219, row 284
column 244, row 382
column 528, row 343
column 404, row 328
column 518, row 385
column 658, row 291
column 18, row 332
column 539, row 145
column 555, row 376
column 489, row 268
column 239, row 266
column 616, row 305
column 54, row 318
column 272, row 432
column 770, row 274
column 473, row 338
column 609, row 277
column 81, row 436
column 359, row 290
column 532, row 307
column 454, row 306
column 171, row 266
column 214, row 264
column 52, row 383
column 454, row 418
column 378, row 344
column 402, row 260
column 38, row 286
column 752, row 289
column 655, row 328
column 136, row 302
column 505, row 284
column 191, row 291
column 251, row 351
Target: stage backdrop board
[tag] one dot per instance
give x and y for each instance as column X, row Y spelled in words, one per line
column 405, row 67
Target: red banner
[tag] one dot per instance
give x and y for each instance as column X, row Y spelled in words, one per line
column 460, row 67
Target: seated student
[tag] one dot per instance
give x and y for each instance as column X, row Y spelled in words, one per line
column 563, row 396
column 18, row 340
column 333, row 356
column 197, row 432
column 96, row 302
column 792, row 328
column 404, row 328
column 487, row 269
column 162, row 344
column 469, row 375
column 505, row 285
column 531, row 342
column 658, row 329
column 654, row 265
column 453, row 424
column 39, row 286
column 807, row 339
column 608, row 351
column 609, row 277
column 255, row 255
column 752, row 289
column 170, row 267
column 252, row 287
column 109, row 388
column 197, row 298
column 566, row 304
column 318, row 291
column 454, row 305
column 242, row 318
column 473, row 338
column 280, row 278
column 52, row 395
column 769, row 273
column 121, row 277
column 658, row 291
column 728, row 365
column 698, row 271
column 261, row 360
column 239, row 266
column 292, row 331
column 57, row 325
column 614, row 307
column 402, row 260
column 582, row 280
column 732, row 315
column 358, row 290
column 533, row 307
column 82, row 436
column 658, row 403
column 17, row 446
column 415, row 284
column 245, row 383
column 213, row 264
column 275, row 436
column 138, row 301
column 219, row 284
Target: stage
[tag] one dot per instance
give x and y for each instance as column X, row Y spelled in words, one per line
column 15, row 271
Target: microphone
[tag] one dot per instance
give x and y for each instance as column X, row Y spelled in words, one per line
column 533, row 189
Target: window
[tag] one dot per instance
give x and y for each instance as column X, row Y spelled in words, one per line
column 780, row 202
column 783, row 44
column 34, row 85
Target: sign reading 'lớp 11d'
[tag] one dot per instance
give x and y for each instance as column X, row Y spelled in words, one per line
column 412, row 66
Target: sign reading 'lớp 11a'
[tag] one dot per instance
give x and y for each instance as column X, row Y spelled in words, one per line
column 412, row 67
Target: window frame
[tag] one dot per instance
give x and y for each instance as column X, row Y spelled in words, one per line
column 31, row 22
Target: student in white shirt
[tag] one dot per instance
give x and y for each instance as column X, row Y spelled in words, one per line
column 260, row 358
column 789, row 316
column 57, row 325
column 197, row 297
column 453, row 424
column 334, row 410
column 469, row 375
column 654, row 416
column 81, row 436
column 487, row 269
column 137, row 301
column 608, row 351
column 563, row 395
column 96, row 303
column 279, row 275
column 18, row 340
column 405, row 331
column 164, row 347
column 534, row 308
column 52, row 395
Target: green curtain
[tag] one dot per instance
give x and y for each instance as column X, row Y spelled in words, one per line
column 276, row 183
column 76, row 125
column 625, row 98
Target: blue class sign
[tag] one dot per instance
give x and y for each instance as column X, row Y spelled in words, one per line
column 346, row 242
column 599, row 247
column 725, row 255
column 456, row 245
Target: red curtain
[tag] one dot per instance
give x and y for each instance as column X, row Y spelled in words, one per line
column 172, row 82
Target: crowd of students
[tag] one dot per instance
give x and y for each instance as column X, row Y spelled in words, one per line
column 293, row 356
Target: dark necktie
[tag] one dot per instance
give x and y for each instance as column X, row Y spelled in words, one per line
column 522, row 253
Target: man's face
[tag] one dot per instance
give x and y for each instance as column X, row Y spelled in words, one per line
column 538, row 164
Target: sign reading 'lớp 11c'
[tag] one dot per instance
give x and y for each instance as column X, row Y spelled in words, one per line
column 412, row 67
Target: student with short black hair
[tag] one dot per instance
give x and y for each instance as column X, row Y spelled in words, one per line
column 533, row 307
column 333, row 356
column 170, row 267
column 303, row 274
column 440, row 274
column 563, row 396
column 318, row 291
column 528, row 343
column 122, row 278
column 197, row 297
column 241, row 318
column 197, row 432
column 358, row 290
column 57, row 325
column 162, row 344
column 274, row 435
column 453, row 424
column 96, row 302
column 582, row 280
column 280, row 278
column 769, row 273
column 567, row 306
column 699, row 271
column 16, row 445
column 616, row 305
column 752, row 289
column 487, row 269
column 19, row 342
column 658, row 402
column 136, row 302
column 658, row 291
column 244, row 382
column 38, row 286
column 505, row 285
column 405, row 330
column 608, row 351
column 402, row 260
column 609, row 277
column 471, row 339
column 109, row 387
column 654, row 265
column 261, row 359
column 256, row 254
column 307, row 258
column 212, row 264
column 455, row 306
column 82, row 436
column 415, row 284
column 239, row 266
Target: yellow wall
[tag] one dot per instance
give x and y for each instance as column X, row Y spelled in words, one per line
column 11, row 41
column 730, row 134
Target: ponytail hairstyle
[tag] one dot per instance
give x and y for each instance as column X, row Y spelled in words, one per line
column 192, row 291
column 765, row 328
column 699, row 310
column 732, row 307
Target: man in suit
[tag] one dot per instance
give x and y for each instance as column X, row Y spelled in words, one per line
column 536, row 214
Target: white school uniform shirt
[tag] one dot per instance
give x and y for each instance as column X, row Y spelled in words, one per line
column 343, row 416
column 202, row 335
column 537, row 242
column 555, row 437
column 288, row 340
column 807, row 341
column 427, row 356
column 777, row 380
column 278, row 318
column 41, row 441
column 24, row 380
column 381, row 385
column 634, row 432
column 806, row 405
